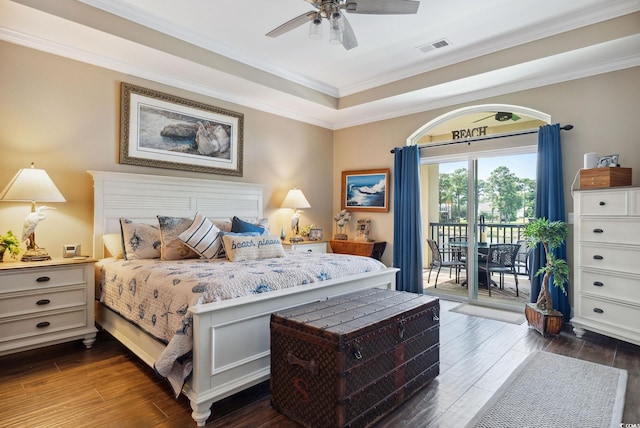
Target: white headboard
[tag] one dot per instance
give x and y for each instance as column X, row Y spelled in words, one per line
column 141, row 198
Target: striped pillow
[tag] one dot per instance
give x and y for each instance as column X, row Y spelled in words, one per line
column 203, row 237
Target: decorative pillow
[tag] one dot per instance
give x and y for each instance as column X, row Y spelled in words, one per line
column 113, row 243
column 222, row 254
column 240, row 248
column 223, row 225
column 239, row 226
column 139, row 240
column 203, row 237
column 172, row 247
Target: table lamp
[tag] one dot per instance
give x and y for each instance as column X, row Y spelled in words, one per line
column 295, row 199
column 32, row 185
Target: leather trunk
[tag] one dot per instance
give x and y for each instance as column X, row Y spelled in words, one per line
column 350, row 360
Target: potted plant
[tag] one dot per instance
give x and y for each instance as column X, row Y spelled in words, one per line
column 9, row 242
column 551, row 234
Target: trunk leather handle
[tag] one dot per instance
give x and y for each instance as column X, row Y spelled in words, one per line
column 310, row 365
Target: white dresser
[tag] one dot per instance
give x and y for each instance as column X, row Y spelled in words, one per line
column 607, row 263
column 43, row 303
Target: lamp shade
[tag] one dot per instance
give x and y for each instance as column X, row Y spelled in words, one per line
column 31, row 185
column 295, row 199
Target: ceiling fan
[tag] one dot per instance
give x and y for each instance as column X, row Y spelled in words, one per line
column 501, row 116
column 340, row 29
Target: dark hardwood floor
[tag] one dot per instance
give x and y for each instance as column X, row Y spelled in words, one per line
column 68, row 386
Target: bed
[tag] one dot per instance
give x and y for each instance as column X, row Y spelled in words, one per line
column 230, row 337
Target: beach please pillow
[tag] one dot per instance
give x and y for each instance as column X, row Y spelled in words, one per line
column 240, row 248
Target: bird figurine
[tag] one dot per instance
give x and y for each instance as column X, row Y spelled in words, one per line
column 295, row 221
column 30, row 223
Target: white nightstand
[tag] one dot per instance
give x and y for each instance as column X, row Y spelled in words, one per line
column 44, row 303
column 308, row 246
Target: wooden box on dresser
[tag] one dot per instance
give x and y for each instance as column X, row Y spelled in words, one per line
column 607, row 263
column 44, row 303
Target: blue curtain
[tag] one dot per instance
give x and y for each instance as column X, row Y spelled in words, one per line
column 407, row 229
column 550, row 205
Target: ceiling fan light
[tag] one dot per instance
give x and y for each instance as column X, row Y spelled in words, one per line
column 315, row 29
column 336, row 21
column 335, row 37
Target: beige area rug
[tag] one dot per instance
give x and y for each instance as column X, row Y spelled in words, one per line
column 491, row 313
column 550, row 391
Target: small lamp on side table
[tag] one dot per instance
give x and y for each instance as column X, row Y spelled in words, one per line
column 32, row 185
column 295, row 199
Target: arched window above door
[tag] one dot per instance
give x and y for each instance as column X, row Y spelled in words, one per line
column 477, row 122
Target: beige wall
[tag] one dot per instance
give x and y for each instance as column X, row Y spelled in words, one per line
column 603, row 110
column 65, row 116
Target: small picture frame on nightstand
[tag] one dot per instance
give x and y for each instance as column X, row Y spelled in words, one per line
column 315, row 234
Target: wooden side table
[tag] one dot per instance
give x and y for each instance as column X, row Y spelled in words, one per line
column 373, row 249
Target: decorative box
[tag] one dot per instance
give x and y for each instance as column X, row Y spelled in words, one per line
column 596, row 178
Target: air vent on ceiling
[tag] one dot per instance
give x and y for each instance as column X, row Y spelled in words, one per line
column 434, row 45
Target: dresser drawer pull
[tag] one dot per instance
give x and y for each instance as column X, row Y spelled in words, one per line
column 43, row 324
column 598, row 230
column 43, row 279
column 598, row 311
column 43, row 302
column 309, row 251
column 598, row 284
column 602, row 204
column 597, row 257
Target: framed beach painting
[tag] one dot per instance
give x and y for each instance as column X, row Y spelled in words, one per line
column 365, row 190
column 165, row 131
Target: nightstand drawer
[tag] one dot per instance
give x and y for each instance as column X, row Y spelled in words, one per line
column 38, row 278
column 308, row 247
column 23, row 326
column 37, row 301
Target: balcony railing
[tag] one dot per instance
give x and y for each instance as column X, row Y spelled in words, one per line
column 497, row 233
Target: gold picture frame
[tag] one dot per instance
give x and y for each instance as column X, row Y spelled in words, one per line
column 164, row 131
column 365, row 190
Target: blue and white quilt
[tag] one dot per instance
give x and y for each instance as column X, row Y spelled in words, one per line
column 156, row 295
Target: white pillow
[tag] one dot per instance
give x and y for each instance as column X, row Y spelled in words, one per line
column 113, row 243
column 203, row 237
column 242, row 247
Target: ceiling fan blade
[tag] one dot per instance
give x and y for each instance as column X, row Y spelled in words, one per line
column 290, row 25
column 349, row 40
column 382, row 7
column 484, row 118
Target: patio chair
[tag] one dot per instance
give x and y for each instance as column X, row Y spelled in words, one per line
column 501, row 259
column 437, row 261
column 458, row 252
column 524, row 254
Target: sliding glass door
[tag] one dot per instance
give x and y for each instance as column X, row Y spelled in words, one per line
column 482, row 199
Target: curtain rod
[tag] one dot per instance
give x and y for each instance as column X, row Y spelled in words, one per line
column 448, row 143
